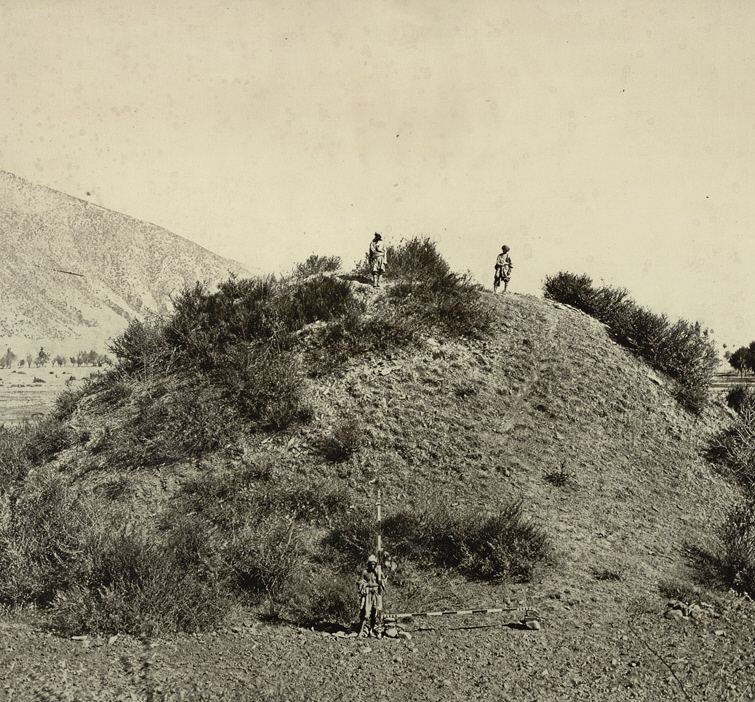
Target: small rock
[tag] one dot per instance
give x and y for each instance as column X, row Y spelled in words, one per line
column 674, row 614
column 366, row 649
column 391, row 633
column 80, row 638
column 112, row 639
column 719, row 632
column 533, row 624
column 405, row 635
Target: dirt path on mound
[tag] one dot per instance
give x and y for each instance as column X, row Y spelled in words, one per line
column 545, row 352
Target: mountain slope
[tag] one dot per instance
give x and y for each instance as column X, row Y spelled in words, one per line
column 71, row 270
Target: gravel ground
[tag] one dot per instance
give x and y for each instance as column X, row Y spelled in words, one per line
column 585, row 652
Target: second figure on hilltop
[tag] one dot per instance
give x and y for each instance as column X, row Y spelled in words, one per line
column 503, row 266
column 377, row 259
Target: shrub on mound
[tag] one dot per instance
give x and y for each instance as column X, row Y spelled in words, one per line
column 503, row 545
column 735, row 447
column 738, row 560
column 682, row 350
column 14, row 461
column 316, row 265
column 741, row 399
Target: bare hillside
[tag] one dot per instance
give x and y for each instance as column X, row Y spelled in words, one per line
column 547, row 410
column 71, row 270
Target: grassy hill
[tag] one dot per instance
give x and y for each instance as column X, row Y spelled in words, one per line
column 522, row 454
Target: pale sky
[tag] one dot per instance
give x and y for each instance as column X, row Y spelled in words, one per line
column 613, row 138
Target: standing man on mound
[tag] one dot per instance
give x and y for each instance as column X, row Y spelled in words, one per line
column 377, row 259
column 503, row 266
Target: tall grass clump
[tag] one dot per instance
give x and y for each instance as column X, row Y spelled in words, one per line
column 502, row 545
column 343, row 441
column 737, row 562
column 682, row 350
column 230, row 536
column 229, row 359
column 741, row 399
column 145, row 581
column 431, row 295
column 735, row 446
column 317, row 264
column 14, row 461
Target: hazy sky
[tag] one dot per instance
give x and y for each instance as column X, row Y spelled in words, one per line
column 611, row 138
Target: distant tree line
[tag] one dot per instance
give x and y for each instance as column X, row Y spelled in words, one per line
column 743, row 359
column 82, row 358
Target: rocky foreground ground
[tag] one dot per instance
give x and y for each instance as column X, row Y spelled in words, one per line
column 598, row 647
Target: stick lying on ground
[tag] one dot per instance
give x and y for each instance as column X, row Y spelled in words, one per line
column 516, row 614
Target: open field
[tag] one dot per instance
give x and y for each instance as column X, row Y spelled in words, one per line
column 728, row 380
column 26, row 393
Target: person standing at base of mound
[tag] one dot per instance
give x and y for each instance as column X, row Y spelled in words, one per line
column 503, row 266
column 377, row 259
column 371, row 588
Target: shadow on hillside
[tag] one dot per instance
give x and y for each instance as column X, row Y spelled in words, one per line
column 709, row 569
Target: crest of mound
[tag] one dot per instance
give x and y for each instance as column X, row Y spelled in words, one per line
column 71, row 270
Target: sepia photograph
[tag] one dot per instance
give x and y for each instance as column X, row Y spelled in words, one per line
column 393, row 350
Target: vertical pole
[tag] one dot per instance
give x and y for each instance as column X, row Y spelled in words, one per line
column 379, row 569
column 380, row 534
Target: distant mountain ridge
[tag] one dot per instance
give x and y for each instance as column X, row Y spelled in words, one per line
column 74, row 273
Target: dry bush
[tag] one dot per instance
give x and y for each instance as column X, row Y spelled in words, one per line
column 741, row 398
column 320, row 298
column 324, row 597
column 342, row 442
column 417, row 259
column 737, row 564
column 170, row 422
column 503, row 545
column 264, row 554
column 14, row 462
column 46, row 438
column 99, row 571
column 141, row 348
column 145, row 582
column 317, row 265
column 735, row 447
column 570, row 289
column 38, row 536
column 682, row 350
